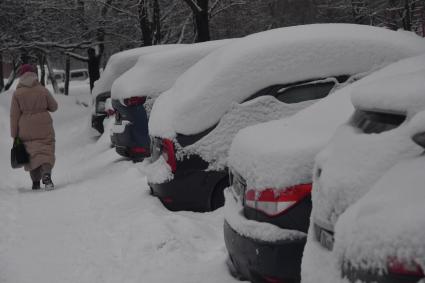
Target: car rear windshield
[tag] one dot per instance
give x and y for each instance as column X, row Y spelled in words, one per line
column 299, row 93
column 376, row 122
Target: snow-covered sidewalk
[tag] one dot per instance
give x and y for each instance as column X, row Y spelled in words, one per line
column 100, row 224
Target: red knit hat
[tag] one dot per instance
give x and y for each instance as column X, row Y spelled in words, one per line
column 25, row 68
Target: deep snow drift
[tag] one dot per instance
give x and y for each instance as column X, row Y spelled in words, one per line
column 100, row 224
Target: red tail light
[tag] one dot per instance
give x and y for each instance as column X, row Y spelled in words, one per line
column 138, row 149
column 411, row 268
column 269, row 279
column 134, row 101
column 276, row 201
column 169, row 154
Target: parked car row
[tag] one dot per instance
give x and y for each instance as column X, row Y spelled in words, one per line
column 265, row 117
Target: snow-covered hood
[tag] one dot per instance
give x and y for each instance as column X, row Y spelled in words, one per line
column 201, row 96
column 120, row 62
column 388, row 221
column 156, row 72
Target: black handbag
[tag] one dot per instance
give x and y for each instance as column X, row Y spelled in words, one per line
column 18, row 155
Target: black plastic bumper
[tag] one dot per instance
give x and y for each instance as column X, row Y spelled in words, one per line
column 97, row 122
column 190, row 191
column 256, row 260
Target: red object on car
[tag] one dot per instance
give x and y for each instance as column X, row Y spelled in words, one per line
column 276, row 201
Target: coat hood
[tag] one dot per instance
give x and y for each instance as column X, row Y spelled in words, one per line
column 28, row 79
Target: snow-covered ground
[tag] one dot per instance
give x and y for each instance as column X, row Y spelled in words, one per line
column 100, row 224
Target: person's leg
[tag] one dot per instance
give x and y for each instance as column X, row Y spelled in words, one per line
column 35, row 177
column 46, row 172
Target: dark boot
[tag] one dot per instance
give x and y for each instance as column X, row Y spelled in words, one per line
column 47, row 181
column 36, row 185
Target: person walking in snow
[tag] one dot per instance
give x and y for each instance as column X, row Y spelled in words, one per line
column 31, row 122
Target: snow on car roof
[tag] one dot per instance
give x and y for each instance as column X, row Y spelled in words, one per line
column 387, row 221
column 401, row 94
column 156, row 72
column 233, row 73
column 121, row 62
column 281, row 153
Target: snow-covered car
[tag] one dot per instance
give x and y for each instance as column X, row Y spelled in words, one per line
column 375, row 241
column 134, row 92
column 272, row 185
column 117, row 64
column 261, row 77
column 374, row 139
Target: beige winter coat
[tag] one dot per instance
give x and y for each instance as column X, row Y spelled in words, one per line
column 31, row 122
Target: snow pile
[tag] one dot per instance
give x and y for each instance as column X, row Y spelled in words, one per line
column 214, row 147
column 254, row 229
column 206, row 91
column 318, row 264
column 156, row 72
column 342, row 183
column 156, row 172
column 388, row 221
column 417, row 125
column 122, row 61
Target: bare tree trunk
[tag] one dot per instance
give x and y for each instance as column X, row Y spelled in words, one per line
column 200, row 12
column 93, row 66
column 51, row 76
column 407, row 20
column 145, row 25
column 157, row 22
column 41, row 61
column 1, row 72
column 202, row 25
column 12, row 75
column 67, row 71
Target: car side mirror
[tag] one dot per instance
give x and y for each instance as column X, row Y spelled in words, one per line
column 419, row 139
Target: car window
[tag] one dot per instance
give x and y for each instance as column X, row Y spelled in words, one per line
column 304, row 92
column 77, row 75
column 376, row 122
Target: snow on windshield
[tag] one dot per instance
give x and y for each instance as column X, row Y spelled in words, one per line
column 156, row 72
column 206, row 91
